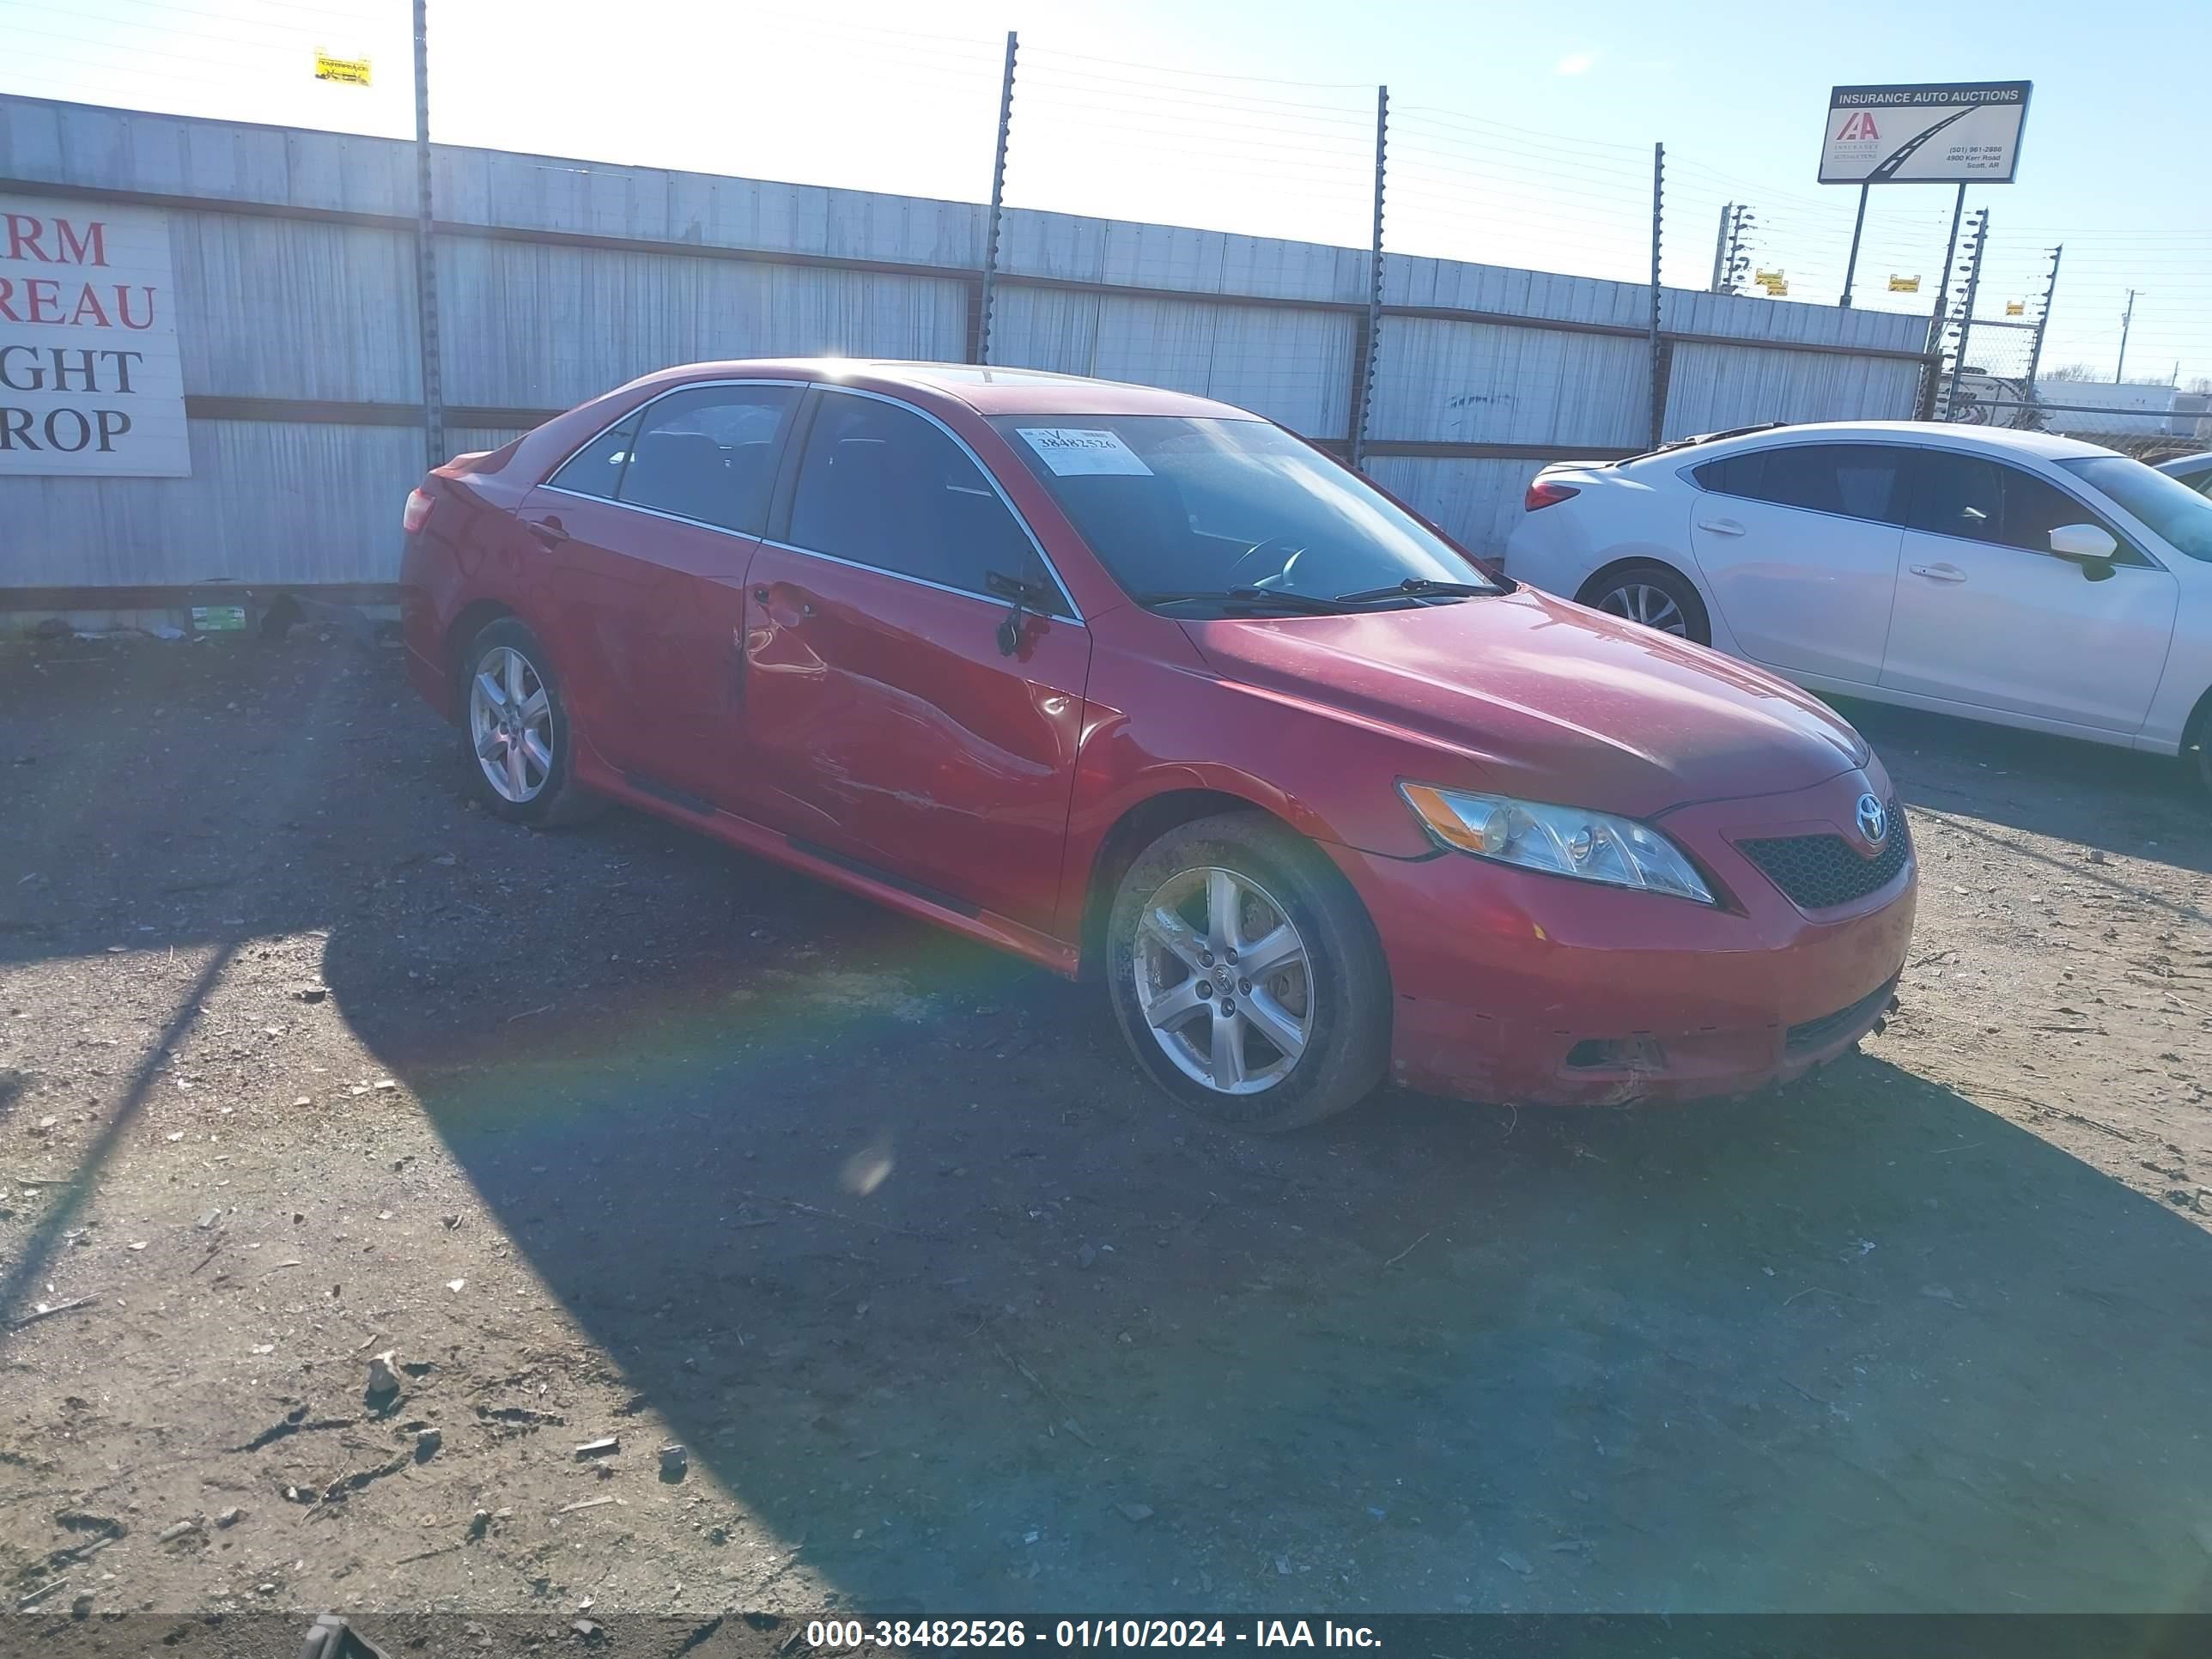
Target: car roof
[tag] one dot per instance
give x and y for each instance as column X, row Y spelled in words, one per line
column 986, row 389
column 2186, row 463
column 1994, row 440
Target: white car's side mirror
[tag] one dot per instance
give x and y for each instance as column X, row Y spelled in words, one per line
column 2083, row 542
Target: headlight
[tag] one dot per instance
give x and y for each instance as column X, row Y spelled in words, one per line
column 1561, row 841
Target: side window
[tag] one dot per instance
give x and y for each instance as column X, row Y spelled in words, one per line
column 1960, row 495
column 596, row 468
column 709, row 453
column 1986, row 500
column 883, row 487
column 1734, row 474
column 1855, row 481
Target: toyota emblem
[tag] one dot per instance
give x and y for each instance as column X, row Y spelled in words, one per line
column 1873, row 820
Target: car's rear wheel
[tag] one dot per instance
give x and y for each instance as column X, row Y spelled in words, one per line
column 1655, row 596
column 1246, row 975
column 2197, row 751
column 516, row 731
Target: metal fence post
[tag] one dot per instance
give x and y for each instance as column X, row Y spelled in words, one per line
column 1658, row 376
column 1981, row 240
column 1721, row 245
column 1940, row 321
column 1365, row 389
column 2043, row 320
column 989, row 291
column 426, row 256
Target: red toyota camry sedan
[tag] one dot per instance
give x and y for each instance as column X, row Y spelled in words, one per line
column 1149, row 690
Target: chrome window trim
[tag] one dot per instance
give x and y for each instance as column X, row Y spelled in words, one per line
column 996, row 601
column 1074, row 613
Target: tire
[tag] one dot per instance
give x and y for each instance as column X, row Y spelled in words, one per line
column 1334, row 998
column 537, row 781
column 1637, row 592
column 2196, row 752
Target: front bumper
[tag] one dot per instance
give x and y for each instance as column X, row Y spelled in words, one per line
column 1511, row 985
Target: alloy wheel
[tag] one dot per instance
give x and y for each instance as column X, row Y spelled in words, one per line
column 1640, row 602
column 511, row 724
column 1224, row 981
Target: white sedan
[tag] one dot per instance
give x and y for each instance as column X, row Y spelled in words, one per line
column 2007, row 576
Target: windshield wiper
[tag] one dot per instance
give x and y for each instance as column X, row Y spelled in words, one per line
column 1246, row 597
column 1418, row 587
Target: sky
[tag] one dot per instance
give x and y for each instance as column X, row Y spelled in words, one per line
column 1519, row 135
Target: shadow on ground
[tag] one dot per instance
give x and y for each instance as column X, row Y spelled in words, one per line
column 2137, row 805
column 1037, row 1342
column 919, row 1269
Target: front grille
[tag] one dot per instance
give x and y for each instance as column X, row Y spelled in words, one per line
column 1817, row 1033
column 1819, row 872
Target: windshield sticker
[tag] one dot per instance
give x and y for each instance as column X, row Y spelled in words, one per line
column 1077, row 452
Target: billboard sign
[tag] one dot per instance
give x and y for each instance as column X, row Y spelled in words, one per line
column 91, row 385
column 1940, row 132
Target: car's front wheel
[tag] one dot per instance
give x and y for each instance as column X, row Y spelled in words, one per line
column 1653, row 595
column 1246, row 975
column 516, row 729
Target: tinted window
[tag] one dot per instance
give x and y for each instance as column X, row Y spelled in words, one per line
column 882, row 486
column 1984, row 500
column 1734, row 474
column 709, row 454
column 1856, row 481
column 596, row 469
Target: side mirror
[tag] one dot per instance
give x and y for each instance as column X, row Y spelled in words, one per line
column 2091, row 546
column 2083, row 542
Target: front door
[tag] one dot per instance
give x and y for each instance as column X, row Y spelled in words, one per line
column 1988, row 616
column 1798, row 543
column 885, row 725
column 653, row 529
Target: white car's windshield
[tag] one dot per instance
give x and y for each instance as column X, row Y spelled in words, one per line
column 2179, row 515
column 1179, row 506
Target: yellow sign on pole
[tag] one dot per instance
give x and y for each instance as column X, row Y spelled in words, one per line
column 1904, row 284
column 346, row 71
column 2015, row 308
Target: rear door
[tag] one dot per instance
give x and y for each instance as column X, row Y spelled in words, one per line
column 651, row 528
column 1987, row 616
column 885, row 725
column 1798, row 543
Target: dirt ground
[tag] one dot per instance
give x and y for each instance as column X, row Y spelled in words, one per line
column 612, row 1133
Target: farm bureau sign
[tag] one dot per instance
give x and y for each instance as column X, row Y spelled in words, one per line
column 91, row 385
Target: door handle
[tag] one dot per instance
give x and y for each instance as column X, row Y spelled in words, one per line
column 1940, row 573
column 548, row 530
column 1721, row 526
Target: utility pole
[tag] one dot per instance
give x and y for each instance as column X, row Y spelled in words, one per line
column 988, row 292
column 1658, row 377
column 1851, row 267
column 1720, row 246
column 426, row 256
column 1366, row 386
column 2127, row 317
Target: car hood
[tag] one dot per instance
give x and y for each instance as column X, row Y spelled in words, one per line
column 1554, row 701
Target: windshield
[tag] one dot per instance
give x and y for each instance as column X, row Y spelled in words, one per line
column 2181, row 517
column 1173, row 505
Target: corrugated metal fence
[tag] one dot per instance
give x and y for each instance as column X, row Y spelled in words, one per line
column 294, row 275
